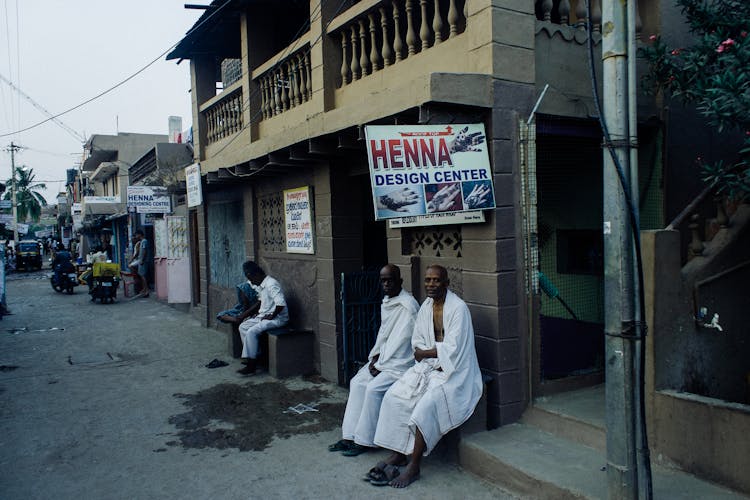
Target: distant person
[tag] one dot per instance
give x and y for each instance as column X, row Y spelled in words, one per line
column 272, row 313
column 389, row 358
column 440, row 391
column 62, row 262
column 141, row 263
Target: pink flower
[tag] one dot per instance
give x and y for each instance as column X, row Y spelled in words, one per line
column 743, row 34
column 720, row 49
column 728, row 42
column 652, row 38
column 676, row 52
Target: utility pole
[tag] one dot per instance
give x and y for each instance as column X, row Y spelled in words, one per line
column 620, row 303
column 13, row 148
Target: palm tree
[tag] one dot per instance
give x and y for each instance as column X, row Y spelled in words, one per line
column 29, row 201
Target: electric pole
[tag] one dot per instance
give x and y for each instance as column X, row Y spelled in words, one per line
column 13, row 148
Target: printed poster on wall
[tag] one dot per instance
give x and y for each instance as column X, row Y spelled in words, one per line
column 298, row 221
column 428, row 169
column 193, row 185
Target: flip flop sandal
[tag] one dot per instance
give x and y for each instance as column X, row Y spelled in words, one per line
column 340, row 445
column 376, row 472
column 390, row 473
column 354, row 450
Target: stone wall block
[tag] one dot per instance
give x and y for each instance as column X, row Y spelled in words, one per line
column 487, row 353
column 480, row 288
column 510, row 355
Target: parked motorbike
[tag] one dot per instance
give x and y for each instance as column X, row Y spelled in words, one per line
column 64, row 279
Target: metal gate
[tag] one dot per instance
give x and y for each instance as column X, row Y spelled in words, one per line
column 361, row 297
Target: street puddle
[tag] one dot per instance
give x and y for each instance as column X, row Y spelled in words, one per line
column 248, row 417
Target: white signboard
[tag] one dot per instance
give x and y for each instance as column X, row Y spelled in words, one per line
column 6, row 203
column 428, row 169
column 193, row 181
column 101, row 199
column 149, row 199
column 23, row 228
column 298, row 221
column 76, row 209
column 6, row 219
column 437, row 219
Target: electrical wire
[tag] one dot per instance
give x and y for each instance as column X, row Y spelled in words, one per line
column 122, row 82
column 640, row 322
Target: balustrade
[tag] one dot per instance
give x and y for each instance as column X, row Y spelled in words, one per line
column 559, row 12
column 389, row 32
column 287, row 84
column 224, row 117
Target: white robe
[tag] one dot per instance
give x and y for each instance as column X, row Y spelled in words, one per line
column 432, row 400
column 395, row 356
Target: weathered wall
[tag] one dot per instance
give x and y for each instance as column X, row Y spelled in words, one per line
column 707, row 436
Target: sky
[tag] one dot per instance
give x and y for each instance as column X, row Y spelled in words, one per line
column 62, row 53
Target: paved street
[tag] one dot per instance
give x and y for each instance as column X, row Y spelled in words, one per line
column 114, row 401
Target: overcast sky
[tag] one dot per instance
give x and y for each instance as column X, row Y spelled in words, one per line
column 62, row 53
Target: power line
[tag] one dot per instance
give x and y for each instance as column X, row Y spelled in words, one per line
column 122, row 82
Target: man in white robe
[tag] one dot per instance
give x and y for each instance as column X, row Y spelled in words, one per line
column 440, row 392
column 389, row 358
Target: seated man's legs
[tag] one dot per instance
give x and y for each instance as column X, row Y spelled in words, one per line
column 364, row 434
column 357, row 389
column 250, row 329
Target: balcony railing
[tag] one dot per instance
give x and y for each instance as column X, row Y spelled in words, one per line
column 375, row 33
column 224, row 114
column 285, row 80
column 573, row 13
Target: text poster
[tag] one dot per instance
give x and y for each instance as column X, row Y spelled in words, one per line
column 428, row 169
column 298, row 221
column 193, row 185
column 150, row 199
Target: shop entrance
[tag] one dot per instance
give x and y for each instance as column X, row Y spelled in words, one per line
column 570, row 251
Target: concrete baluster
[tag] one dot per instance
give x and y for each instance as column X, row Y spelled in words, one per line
column 453, row 18
column 563, row 9
column 596, row 15
column 308, row 73
column 721, row 212
column 284, row 80
column 364, row 58
column 398, row 43
column 546, row 10
column 424, row 25
column 355, row 53
column 374, row 56
column 386, row 51
column 437, row 23
column 411, row 35
column 581, row 15
column 344, row 61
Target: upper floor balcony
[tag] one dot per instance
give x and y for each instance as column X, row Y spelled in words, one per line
column 267, row 75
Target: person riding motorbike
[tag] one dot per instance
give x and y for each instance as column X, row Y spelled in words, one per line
column 62, row 264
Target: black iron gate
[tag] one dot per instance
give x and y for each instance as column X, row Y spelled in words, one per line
column 361, row 297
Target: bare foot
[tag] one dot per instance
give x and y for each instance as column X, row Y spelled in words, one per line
column 396, row 459
column 408, row 476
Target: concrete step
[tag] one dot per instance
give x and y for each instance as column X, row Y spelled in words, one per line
column 536, row 464
column 571, row 427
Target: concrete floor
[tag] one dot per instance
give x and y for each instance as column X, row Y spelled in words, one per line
column 87, row 391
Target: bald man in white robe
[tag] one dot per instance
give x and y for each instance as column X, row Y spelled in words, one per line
column 440, row 392
column 389, row 358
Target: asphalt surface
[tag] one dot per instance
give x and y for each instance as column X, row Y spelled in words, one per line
column 114, row 401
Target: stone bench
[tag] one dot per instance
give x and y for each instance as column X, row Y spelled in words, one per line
column 286, row 351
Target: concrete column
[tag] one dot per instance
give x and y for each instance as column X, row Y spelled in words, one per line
column 203, row 83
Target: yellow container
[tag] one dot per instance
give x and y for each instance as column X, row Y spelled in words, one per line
column 106, row 269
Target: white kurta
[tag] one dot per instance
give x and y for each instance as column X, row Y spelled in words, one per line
column 395, row 356
column 435, row 401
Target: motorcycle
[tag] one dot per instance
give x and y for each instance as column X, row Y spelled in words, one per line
column 64, row 279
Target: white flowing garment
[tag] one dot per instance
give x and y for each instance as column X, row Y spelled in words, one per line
column 395, row 356
column 435, row 401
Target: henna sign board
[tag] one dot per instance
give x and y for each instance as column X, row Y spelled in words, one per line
column 423, row 170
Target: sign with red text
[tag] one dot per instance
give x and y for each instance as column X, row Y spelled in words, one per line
column 298, row 221
column 428, row 169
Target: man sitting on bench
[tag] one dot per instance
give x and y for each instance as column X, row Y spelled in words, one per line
column 389, row 358
column 272, row 313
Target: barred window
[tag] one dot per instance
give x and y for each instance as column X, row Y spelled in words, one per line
column 271, row 222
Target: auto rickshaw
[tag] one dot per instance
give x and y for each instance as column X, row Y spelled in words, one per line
column 28, row 255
